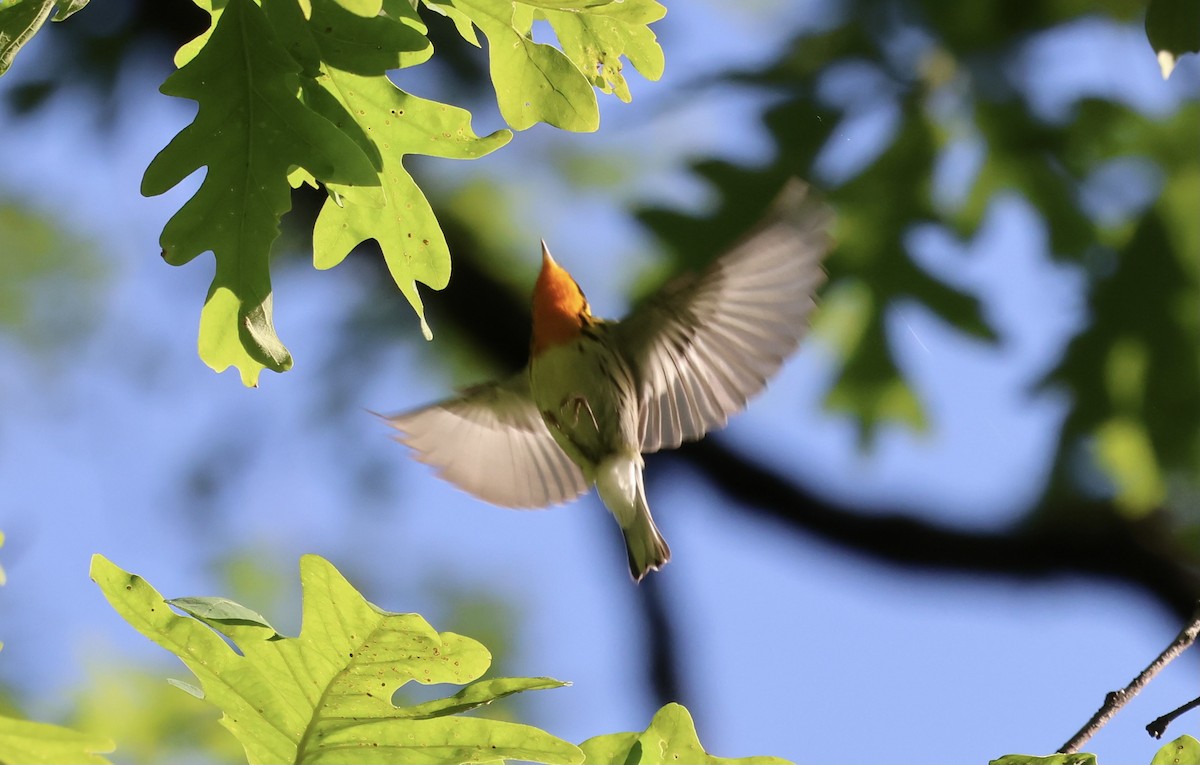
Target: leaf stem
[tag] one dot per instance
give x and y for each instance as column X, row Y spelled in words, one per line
column 1114, row 700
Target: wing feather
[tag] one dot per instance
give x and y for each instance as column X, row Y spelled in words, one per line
column 491, row 442
column 703, row 346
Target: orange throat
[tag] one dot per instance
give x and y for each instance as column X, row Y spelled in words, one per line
column 559, row 308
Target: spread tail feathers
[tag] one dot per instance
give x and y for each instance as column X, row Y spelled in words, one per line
column 619, row 482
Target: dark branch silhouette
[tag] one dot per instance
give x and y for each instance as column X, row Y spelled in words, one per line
column 1106, row 544
column 1158, row 726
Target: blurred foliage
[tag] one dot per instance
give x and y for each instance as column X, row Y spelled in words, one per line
column 946, row 77
column 1134, row 371
column 151, row 720
column 36, row 743
column 51, row 280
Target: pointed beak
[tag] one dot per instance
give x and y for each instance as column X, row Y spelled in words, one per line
column 547, row 260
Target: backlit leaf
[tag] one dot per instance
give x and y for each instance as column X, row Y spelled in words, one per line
column 249, row 130
column 326, row 695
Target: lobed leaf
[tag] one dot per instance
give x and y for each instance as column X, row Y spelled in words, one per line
column 670, row 737
column 536, row 82
column 20, row 20
column 1183, row 749
column 477, row 695
column 296, row 92
column 325, row 696
column 352, row 55
column 1076, row 758
column 597, row 40
column 1173, row 29
column 220, row 611
column 249, row 131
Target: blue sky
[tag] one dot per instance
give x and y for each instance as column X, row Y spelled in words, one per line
column 790, row 647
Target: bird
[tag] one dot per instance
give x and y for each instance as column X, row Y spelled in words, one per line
column 596, row 394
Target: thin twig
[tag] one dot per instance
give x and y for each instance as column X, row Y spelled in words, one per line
column 1117, row 699
column 1159, row 726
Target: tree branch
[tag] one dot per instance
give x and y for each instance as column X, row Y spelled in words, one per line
column 1117, row 699
column 1066, row 537
column 660, row 630
column 1159, row 726
column 1109, row 545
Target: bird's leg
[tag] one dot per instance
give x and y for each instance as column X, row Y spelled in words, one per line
column 577, row 403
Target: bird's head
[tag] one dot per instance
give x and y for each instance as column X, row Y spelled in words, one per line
column 560, row 311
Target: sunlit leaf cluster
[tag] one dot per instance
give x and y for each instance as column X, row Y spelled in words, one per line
column 327, row 695
column 1133, row 370
column 293, row 93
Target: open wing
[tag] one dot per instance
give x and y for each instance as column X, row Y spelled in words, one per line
column 704, row 345
column 491, row 442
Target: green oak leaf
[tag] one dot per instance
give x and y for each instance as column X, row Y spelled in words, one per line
column 348, row 56
column 671, row 737
column 572, row 5
column 250, row 129
column 365, row 8
column 325, row 696
column 188, row 51
column 1173, row 29
column 596, row 39
column 1183, row 749
column 44, row 744
column 406, row 229
column 1078, row 758
column 536, row 82
column 462, row 22
column 21, row 19
column 478, row 694
column 220, row 611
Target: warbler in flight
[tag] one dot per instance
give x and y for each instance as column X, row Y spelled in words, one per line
column 596, row 395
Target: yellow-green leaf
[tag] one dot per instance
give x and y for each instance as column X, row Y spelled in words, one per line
column 250, row 130
column 671, row 737
column 43, row 744
column 326, row 695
